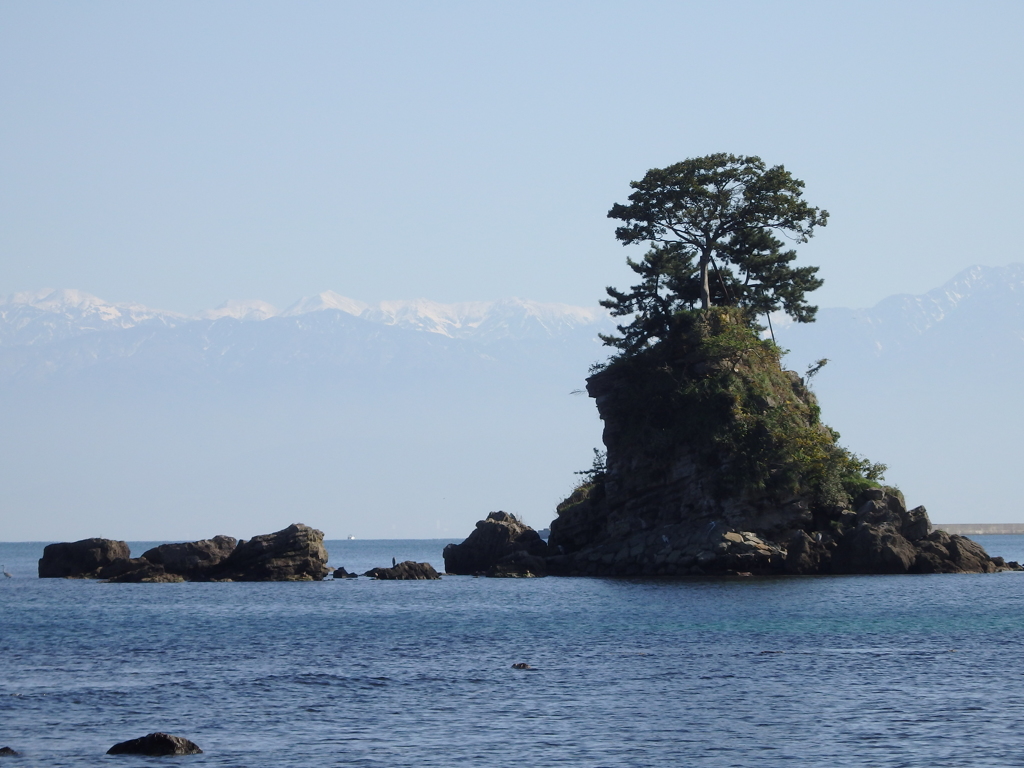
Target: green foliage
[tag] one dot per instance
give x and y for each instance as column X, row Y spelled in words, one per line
column 584, row 491
column 712, row 224
column 597, row 467
column 755, row 427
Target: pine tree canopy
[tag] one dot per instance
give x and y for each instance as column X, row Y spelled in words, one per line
column 714, row 225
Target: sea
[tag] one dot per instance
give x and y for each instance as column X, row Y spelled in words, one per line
column 803, row 671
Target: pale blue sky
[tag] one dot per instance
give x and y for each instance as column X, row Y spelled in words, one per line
column 180, row 154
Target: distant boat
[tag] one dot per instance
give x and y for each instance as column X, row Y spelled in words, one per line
column 351, row 538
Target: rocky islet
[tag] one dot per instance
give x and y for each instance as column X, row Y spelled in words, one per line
column 295, row 553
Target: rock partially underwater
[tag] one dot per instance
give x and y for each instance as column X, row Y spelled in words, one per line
column 156, row 745
column 296, row 553
column 405, row 571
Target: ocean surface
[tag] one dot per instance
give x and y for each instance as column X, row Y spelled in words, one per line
column 803, row 671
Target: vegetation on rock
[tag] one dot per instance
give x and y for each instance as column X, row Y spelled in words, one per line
column 719, row 213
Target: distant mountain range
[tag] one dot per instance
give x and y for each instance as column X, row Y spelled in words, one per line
column 42, row 316
column 416, row 418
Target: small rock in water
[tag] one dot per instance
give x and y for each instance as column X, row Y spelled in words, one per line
column 407, row 571
column 521, row 665
column 8, row 752
column 156, row 745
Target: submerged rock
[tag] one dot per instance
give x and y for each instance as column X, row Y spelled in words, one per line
column 407, row 571
column 156, row 745
column 499, row 544
column 83, row 559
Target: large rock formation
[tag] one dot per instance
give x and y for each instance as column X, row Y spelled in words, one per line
column 717, row 462
column 294, row 554
column 500, row 543
column 156, row 745
column 83, row 559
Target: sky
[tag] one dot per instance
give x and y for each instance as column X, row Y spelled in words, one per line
column 181, row 154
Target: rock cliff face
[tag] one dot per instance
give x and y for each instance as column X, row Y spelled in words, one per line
column 717, row 462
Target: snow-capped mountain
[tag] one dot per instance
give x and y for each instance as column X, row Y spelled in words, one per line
column 45, row 316
column 38, row 317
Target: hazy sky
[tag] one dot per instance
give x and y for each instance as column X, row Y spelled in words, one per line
column 180, row 154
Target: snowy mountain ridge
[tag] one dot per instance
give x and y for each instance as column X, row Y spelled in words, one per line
column 39, row 317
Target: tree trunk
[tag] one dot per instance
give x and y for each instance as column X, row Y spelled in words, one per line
column 705, row 290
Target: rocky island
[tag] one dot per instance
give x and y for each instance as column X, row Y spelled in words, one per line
column 717, row 460
column 296, row 553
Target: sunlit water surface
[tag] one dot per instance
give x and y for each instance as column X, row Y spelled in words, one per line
column 847, row 671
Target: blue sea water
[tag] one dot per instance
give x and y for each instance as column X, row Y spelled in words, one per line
column 808, row 671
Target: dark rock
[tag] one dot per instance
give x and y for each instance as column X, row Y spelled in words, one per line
column 916, row 524
column 521, row 665
column 294, row 554
column 519, row 564
column 137, row 570
column 807, row 555
column 192, row 559
column 341, row 573
column 873, row 549
column 8, row 752
column 710, row 469
column 80, row 559
column 494, row 539
column 407, row 571
column 156, row 745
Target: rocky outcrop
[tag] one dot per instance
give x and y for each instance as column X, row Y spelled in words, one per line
column 294, row 554
column 407, row 571
column 8, row 752
column 83, row 559
column 341, row 573
column 193, row 560
column 156, row 745
column 500, row 544
column 717, row 463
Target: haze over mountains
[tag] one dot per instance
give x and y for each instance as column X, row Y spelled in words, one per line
column 415, row 418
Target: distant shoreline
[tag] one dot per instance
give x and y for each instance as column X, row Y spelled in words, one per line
column 979, row 529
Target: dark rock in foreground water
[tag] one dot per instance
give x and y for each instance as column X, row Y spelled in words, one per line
column 80, row 559
column 500, row 545
column 8, row 752
column 156, row 745
column 407, row 571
